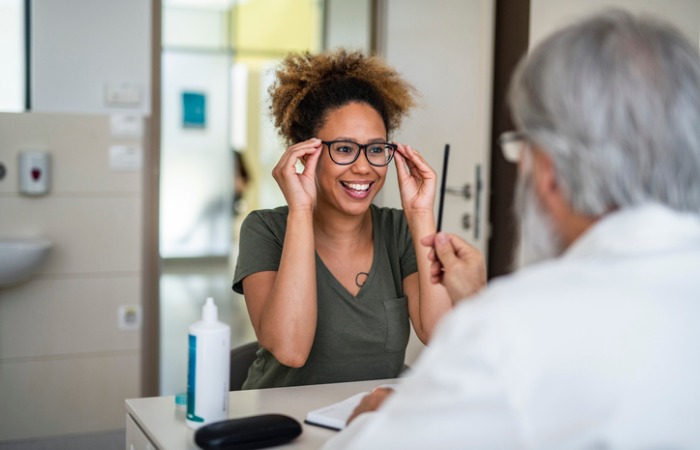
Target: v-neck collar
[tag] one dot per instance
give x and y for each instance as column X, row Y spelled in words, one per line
column 372, row 270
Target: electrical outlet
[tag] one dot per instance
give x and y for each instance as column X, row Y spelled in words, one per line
column 129, row 317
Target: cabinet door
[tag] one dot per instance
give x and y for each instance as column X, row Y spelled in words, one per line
column 136, row 439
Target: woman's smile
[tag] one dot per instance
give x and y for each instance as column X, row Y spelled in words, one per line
column 357, row 189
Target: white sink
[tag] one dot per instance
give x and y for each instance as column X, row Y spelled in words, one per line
column 20, row 258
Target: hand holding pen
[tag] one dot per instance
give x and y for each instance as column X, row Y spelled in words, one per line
column 454, row 263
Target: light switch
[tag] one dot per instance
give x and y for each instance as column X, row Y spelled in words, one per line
column 126, row 125
column 122, row 94
column 34, row 168
column 125, row 157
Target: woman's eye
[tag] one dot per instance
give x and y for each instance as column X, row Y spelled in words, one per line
column 376, row 149
column 343, row 149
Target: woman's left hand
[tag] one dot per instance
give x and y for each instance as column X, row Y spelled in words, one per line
column 418, row 184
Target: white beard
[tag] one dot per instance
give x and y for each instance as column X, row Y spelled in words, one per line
column 538, row 240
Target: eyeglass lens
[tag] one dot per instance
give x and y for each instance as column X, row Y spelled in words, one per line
column 378, row 154
column 512, row 144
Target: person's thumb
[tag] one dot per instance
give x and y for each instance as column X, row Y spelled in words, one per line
column 443, row 249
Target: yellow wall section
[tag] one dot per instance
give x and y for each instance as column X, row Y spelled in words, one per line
column 276, row 25
column 263, row 31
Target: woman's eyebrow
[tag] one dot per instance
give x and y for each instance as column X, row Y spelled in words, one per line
column 370, row 141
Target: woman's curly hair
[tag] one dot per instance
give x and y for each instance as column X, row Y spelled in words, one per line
column 308, row 86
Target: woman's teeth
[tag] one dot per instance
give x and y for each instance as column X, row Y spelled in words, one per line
column 357, row 187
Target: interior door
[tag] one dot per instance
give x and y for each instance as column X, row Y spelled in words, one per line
column 445, row 49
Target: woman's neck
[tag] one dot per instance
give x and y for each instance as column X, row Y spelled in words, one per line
column 331, row 228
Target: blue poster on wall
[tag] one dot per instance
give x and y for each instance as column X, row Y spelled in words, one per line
column 194, row 106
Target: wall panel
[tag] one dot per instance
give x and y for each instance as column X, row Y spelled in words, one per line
column 65, row 365
column 61, row 396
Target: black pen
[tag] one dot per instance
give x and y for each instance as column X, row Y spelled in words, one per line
column 442, row 187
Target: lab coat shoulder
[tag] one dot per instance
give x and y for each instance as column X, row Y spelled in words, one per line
column 455, row 381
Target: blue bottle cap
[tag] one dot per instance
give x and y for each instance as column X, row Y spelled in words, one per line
column 181, row 399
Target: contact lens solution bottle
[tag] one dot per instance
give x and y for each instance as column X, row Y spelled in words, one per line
column 208, row 368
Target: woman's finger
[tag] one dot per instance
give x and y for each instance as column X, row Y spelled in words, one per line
column 303, row 148
column 410, row 160
column 419, row 161
column 402, row 171
column 298, row 151
column 312, row 161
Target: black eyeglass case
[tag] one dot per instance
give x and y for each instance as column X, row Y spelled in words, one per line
column 248, row 433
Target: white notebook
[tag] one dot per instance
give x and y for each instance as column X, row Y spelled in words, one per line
column 335, row 416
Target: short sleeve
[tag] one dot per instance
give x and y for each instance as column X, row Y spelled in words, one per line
column 260, row 244
column 407, row 252
column 393, row 227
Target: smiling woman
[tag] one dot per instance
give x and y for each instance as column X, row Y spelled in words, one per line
column 331, row 280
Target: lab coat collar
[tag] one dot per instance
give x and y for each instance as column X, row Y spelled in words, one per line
column 642, row 229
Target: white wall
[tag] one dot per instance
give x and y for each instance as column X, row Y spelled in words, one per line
column 65, row 366
column 81, row 46
column 196, row 185
column 548, row 15
column 195, row 29
column 348, row 24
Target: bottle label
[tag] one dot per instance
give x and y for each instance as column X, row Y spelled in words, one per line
column 192, row 380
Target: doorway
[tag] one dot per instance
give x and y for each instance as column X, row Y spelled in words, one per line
column 217, row 64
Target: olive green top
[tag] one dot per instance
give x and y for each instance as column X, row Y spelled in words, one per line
column 359, row 337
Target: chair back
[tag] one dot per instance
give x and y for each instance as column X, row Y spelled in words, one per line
column 241, row 359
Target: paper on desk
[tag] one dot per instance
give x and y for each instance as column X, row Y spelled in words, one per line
column 335, row 416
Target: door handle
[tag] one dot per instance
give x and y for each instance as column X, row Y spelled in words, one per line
column 464, row 191
column 467, row 221
column 477, row 202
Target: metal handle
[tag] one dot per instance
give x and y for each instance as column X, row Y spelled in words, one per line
column 464, row 191
column 477, row 202
column 467, row 221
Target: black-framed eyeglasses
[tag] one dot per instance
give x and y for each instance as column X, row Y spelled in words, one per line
column 343, row 153
column 513, row 145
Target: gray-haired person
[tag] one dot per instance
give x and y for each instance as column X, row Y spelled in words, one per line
column 594, row 342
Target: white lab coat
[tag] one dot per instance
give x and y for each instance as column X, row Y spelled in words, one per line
column 599, row 348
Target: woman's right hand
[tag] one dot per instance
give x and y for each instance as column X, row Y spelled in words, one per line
column 299, row 189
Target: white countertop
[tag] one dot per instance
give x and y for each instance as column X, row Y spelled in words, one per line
column 165, row 426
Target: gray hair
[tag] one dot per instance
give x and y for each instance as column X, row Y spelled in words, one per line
column 614, row 100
